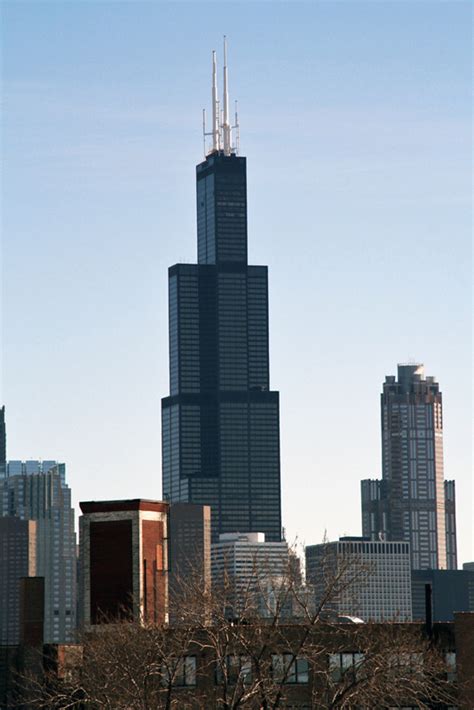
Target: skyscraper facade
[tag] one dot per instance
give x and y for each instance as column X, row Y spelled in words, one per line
column 412, row 502
column 189, row 551
column 220, row 423
column 35, row 490
column 17, row 560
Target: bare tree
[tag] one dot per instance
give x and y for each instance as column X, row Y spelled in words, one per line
column 252, row 643
column 126, row 665
column 265, row 634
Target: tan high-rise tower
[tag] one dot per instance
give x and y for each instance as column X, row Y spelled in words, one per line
column 413, row 502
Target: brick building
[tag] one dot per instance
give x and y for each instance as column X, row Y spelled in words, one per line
column 124, row 560
column 201, row 678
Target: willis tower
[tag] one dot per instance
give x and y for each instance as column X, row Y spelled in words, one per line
column 220, row 422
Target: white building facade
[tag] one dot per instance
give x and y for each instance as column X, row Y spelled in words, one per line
column 371, row 580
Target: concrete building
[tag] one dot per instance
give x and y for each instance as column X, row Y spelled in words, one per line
column 17, row 560
column 362, row 578
column 253, row 571
column 244, row 555
column 124, row 560
column 37, row 490
column 452, row 591
column 412, row 502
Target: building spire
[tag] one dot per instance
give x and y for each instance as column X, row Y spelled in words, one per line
column 215, row 106
column 221, row 132
column 225, row 124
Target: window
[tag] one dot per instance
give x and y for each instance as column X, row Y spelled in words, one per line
column 450, row 658
column 342, row 663
column 288, row 668
column 180, row 672
column 237, row 669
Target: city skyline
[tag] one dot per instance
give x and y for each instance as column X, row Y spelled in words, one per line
column 88, row 385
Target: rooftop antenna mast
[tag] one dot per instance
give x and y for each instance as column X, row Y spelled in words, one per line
column 215, row 106
column 221, row 133
column 225, row 123
column 215, row 132
column 236, row 131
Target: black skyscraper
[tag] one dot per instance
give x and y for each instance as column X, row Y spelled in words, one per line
column 220, row 424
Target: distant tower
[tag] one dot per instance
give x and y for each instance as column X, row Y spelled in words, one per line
column 412, row 502
column 37, row 490
column 220, row 422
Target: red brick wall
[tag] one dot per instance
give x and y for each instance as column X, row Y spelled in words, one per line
column 154, row 574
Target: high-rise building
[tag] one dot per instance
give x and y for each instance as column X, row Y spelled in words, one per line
column 17, row 560
column 3, row 444
column 412, row 502
column 33, row 467
column 220, row 423
column 362, row 578
column 124, row 561
column 38, row 491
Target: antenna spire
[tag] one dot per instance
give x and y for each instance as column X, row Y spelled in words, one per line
column 225, row 123
column 221, row 132
column 215, row 106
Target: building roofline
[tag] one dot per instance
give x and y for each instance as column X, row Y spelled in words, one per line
column 111, row 506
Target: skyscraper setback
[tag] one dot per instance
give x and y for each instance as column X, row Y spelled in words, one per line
column 220, row 423
column 412, row 502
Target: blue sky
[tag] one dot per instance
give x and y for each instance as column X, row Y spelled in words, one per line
column 355, row 119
